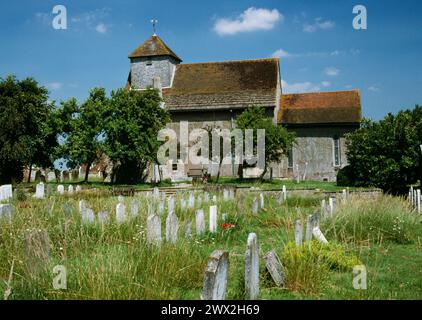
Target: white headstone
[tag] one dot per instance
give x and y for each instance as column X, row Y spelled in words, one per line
column 275, row 268
column 298, row 232
column 331, row 207
column 172, row 228
column 134, row 208
column 323, row 209
column 70, row 189
column 319, row 235
column 418, row 199
column 120, row 213
column 60, row 189
column 6, row 192
column 200, row 222
column 261, row 200
column 214, row 198
column 82, row 207
column 213, row 219
column 255, row 206
column 225, row 195
column 103, row 217
column 39, row 191
column 6, row 211
column 284, row 192
column 309, row 227
column 154, row 230
column 191, row 201
column 88, row 216
column 78, row 188
column 216, row 275
column 252, row 267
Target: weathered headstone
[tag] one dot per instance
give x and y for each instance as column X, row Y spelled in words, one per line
column 70, row 189
column 82, row 206
column 232, row 194
column 134, row 208
column 225, row 195
column 121, row 199
column 88, row 216
column 275, row 268
column 200, row 222
column 39, row 191
column 49, row 190
column 170, row 204
column 309, row 227
column 191, row 201
column 199, row 200
column 188, row 229
column 6, row 211
column 284, row 193
column 172, row 228
column 160, row 207
column 252, row 267
column 183, row 204
column 78, row 188
column 37, row 250
column 298, row 232
column 280, row 199
column 213, row 219
column 261, row 200
column 323, row 209
column 60, row 189
column 103, row 217
column 216, row 275
column 6, row 192
column 120, row 213
column 331, row 207
column 255, row 206
column 317, row 233
column 67, row 208
column 206, row 197
column 418, row 199
column 156, row 193
column 154, row 230
column 214, row 198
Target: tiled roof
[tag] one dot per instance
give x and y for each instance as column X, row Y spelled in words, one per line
column 153, row 46
column 229, row 84
column 320, row 108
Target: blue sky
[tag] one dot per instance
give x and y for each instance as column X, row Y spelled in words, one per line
column 319, row 48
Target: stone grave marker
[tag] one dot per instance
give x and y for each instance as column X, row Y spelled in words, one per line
column 206, row 197
column 6, row 192
column 324, row 209
column 121, row 199
column 70, row 189
column 331, row 207
column 172, row 228
column 171, row 204
column 261, row 200
column 134, row 208
column 255, row 206
column 216, row 276
column 78, row 188
column 213, row 219
column 160, row 207
column 199, row 200
column 317, row 233
column 103, row 217
column 232, row 194
column 37, row 250
column 39, row 191
column 188, row 229
column 49, row 190
column 225, row 195
column 120, row 213
column 154, row 230
column 82, row 207
column 191, row 201
column 200, row 222
column 60, row 189
column 284, row 193
column 275, row 268
column 67, row 208
column 309, row 227
column 156, row 193
column 88, row 216
column 298, row 232
column 214, row 198
column 6, row 212
column 252, row 267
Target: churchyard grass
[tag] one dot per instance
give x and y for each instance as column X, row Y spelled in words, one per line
column 114, row 261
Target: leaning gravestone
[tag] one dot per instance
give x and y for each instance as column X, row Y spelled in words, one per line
column 216, row 274
column 6, row 211
column 298, row 232
column 200, row 222
column 120, row 213
column 154, row 230
column 134, row 208
column 275, row 268
column 252, row 267
column 213, row 219
column 172, row 228
column 39, row 191
column 317, row 233
column 60, row 189
column 37, row 251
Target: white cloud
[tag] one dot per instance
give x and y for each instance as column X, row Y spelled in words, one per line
column 280, row 53
column 54, row 85
column 299, row 87
column 332, row 72
column 374, row 89
column 318, row 24
column 101, row 28
column 252, row 19
column 326, row 84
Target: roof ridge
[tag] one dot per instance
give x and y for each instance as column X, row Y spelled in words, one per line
column 230, row 61
column 322, row 92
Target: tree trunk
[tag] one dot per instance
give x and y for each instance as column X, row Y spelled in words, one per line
column 30, row 172
column 88, row 167
column 219, row 169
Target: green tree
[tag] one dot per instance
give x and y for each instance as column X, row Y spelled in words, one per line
column 28, row 128
column 132, row 122
column 83, row 129
column 277, row 139
column 387, row 154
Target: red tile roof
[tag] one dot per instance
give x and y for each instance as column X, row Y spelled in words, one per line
column 320, row 108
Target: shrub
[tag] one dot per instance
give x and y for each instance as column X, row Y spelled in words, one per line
column 345, row 177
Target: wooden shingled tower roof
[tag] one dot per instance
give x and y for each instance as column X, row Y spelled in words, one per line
column 153, row 46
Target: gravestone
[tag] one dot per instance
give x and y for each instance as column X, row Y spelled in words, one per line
column 191, row 201
column 82, row 206
column 154, row 230
column 37, row 250
column 216, row 275
column 183, row 204
column 275, row 268
column 344, row 195
column 88, row 216
column 255, row 206
column 280, row 199
column 199, row 200
column 200, row 222
column 70, row 189
column 213, row 219
column 239, row 203
column 120, row 213
column 103, row 217
column 151, row 209
column 160, row 207
column 67, row 208
column 317, row 233
column 324, row 209
column 331, row 207
column 39, row 191
column 156, row 193
column 49, row 190
column 261, row 200
column 284, row 193
column 78, row 188
column 252, row 267
column 172, row 228
column 134, row 208
column 188, row 229
column 418, row 199
column 298, row 232
column 214, row 198
column 171, row 204
column 206, row 197
column 6, row 212
column 232, row 194
column 315, row 219
column 225, row 195
column 309, row 227
column 121, row 199
column 60, row 189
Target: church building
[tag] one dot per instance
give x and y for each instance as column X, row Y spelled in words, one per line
column 213, row 94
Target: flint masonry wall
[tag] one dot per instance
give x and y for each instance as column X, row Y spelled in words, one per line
column 143, row 74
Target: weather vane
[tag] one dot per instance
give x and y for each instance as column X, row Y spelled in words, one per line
column 154, row 23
